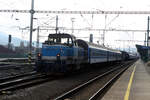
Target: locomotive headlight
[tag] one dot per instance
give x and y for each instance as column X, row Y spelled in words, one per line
column 58, row 55
column 39, row 54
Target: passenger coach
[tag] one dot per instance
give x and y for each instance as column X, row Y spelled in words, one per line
column 96, row 53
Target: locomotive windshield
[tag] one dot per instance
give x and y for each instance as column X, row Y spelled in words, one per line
column 59, row 39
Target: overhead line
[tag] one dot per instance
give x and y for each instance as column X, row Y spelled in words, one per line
column 76, row 12
column 84, row 29
column 15, row 11
column 130, row 40
column 119, row 30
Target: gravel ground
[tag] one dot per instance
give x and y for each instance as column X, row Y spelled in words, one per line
column 54, row 88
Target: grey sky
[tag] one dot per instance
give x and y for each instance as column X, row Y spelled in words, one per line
column 9, row 24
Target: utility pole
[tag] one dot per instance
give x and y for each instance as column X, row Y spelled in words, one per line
column 37, row 44
column 145, row 39
column 148, row 32
column 56, row 24
column 31, row 29
column 148, row 38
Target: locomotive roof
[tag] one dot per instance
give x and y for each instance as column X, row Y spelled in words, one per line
column 91, row 44
column 63, row 35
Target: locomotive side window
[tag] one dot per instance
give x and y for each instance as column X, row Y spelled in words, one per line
column 66, row 41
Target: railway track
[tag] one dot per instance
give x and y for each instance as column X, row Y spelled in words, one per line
column 15, row 59
column 16, row 76
column 14, row 65
column 93, row 88
column 9, row 84
column 10, row 65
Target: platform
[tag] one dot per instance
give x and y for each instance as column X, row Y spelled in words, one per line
column 134, row 84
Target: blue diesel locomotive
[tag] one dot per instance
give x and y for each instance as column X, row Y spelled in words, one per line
column 63, row 52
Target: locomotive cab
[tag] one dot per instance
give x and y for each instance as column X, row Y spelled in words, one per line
column 60, row 39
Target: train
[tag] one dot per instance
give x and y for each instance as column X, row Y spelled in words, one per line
column 63, row 53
